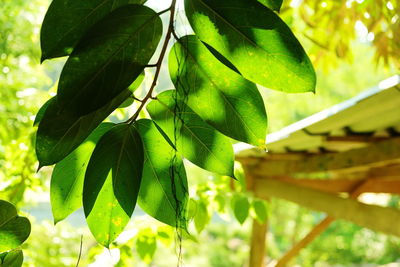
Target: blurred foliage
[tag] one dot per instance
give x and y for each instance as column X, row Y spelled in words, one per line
column 22, row 81
column 332, row 25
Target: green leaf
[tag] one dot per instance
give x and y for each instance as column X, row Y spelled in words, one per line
column 202, row 217
column 42, row 110
column 110, row 56
column 67, row 20
column 219, row 95
column 67, row 178
column 135, row 85
column 146, row 245
column 59, row 133
column 112, row 182
column 14, row 230
column 241, row 206
column 272, row 4
column 13, row 258
column 260, row 210
column 196, row 140
column 160, row 196
column 257, row 42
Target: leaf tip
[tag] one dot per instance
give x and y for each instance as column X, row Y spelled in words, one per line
column 39, row 167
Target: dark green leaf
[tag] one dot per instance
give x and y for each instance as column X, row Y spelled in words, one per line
column 13, row 258
column 216, row 93
column 67, row 178
column 164, row 191
column 112, row 182
column 272, row 4
column 258, row 43
column 260, row 210
column 241, row 206
column 42, row 110
column 60, row 133
column 110, row 56
column 196, row 140
column 14, row 230
column 67, row 20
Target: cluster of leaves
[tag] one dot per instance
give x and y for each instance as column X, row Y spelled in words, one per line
column 109, row 167
column 332, row 25
column 14, row 230
column 219, row 195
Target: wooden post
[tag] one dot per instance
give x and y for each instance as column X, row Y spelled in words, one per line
column 258, row 244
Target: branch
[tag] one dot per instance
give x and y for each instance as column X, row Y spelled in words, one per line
column 159, row 62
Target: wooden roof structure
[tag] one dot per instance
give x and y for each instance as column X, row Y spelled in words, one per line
column 327, row 160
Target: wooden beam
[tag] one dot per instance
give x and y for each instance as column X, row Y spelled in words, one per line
column 258, row 244
column 356, row 139
column 389, row 185
column 318, row 229
column 377, row 154
column 377, row 218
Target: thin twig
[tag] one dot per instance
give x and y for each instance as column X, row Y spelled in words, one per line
column 159, row 62
column 80, row 252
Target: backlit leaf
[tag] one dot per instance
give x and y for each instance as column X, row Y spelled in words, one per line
column 241, row 208
column 67, row 20
column 112, row 182
column 257, row 42
column 196, row 140
column 59, row 133
column 201, row 217
column 146, row 245
column 260, row 210
column 160, row 196
column 14, row 230
column 109, row 57
column 67, row 178
column 219, row 95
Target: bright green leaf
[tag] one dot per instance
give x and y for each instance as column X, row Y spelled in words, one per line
column 164, row 190
column 135, row 85
column 241, row 206
column 67, row 20
column 196, row 140
column 14, row 230
column 13, row 258
column 272, row 4
column 257, row 42
column 202, row 217
column 67, row 178
column 112, row 182
column 59, row 133
column 260, row 210
column 146, row 245
column 216, row 93
column 110, row 56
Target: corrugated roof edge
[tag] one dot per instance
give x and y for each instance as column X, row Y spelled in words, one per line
column 288, row 130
